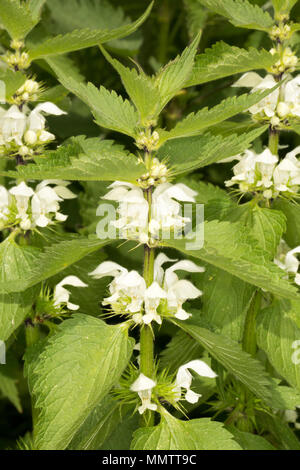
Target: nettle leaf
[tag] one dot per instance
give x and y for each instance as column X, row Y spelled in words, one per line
column 8, row 388
column 250, row 441
column 83, row 160
column 190, row 153
column 228, row 317
column 195, row 123
column 291, row 211
column 283, row 6
column 17, row 18
column 229, row 246
column 77, row 368
column 229, row 353
column 140, row 88
column 14, row 308
column 223, row 60
column 171, row 78
column 268, row 226
column 23, row 267
column 174, row 434
column 99, row 425
column 35, row 6
column 109, row 109
column 12, row 81
column 276, row 334
column 241, row 13
column 82, row 38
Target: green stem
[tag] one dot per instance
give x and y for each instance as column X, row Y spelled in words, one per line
column 273, row 140
column 249, row 336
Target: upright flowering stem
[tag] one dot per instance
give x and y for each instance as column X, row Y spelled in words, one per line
column 146, row 334
column 273, row 140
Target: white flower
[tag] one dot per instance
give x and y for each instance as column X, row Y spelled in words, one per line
column 143, row 386
column 184, row 378
column 178, row 291
column 36, row 121
column 287, row 260
column 4, row 203
column 12, row 125
column 153, row 296
column 133, row 209
column 62, row 295
column 22, row 194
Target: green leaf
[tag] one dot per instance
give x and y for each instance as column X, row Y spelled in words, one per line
column 12, row 82
column 231, row 248
column 241, row 13
column 98, row 426
column 14, row 308
column 17, row 18
column 250, row 441
column 77, row 368
column 291, row 211
column 140, row 88
column 223, row 60
column 171, row 78
column 109, row 109
column 35, row 6
column 82, row 38
column 180, row 350
column 195, row 123
column 83, row 160
column 174, row 434
column 240, row 364
column 276, row 334
column 283, row 6
column 8, row 388
column 268, row 226
column 23, row 267
column 189, row 153
column 283, row 434
column 228, row 317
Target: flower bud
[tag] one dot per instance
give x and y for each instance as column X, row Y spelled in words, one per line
column 30, row 137
column 23, row 151
column 283, row 109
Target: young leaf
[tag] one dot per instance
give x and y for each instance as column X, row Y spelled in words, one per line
column 17, row 18
column 108, row 108
column 229, row 353
column 230, row 247
column 76, row 369
column 223, row 60
column 195, row 123
column 83, row 160
column 174, row 434
column 171, row 78
column 277, row 333
column 241, row 13
column 82, row 38
column 189, row 153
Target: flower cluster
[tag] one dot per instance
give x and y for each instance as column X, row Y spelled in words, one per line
column 287, row 61
column 165, row 211
column 144, row 386
column 23, row 132
column 280, row 104
column 147, row 141
column 27, row 92
column 287, row 260
column 157, row 174
column 163, row 298
column 263, row 173
column 28, row 208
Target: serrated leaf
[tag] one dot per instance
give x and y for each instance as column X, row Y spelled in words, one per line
column 276, row 334
column 83, row 160
column 171, row 78
column 230, row 247
column 267, row 226
column 223, row 60
column 140, row 88
column 240, row 364
column 12, row 82
column 23, row 267
column 174, row 434
column 108, row 108
column 77, row 368
column 17, row 18
column 195, row 123
column 189, row 153
column 241, row 13
column 14, row 308
column 82, row 38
